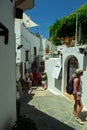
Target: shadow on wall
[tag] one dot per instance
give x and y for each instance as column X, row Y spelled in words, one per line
column 84, row 63
column 7, row 124
column 58, row 84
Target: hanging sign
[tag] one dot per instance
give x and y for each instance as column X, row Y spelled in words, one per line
column 56, row 71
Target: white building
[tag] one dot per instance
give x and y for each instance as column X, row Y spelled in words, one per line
column 34, row 47
column 7, row 60
column 63, row 68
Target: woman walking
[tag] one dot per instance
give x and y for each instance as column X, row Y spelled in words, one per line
column 78, row 106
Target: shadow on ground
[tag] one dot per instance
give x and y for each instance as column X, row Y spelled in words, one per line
column 42, row 120
column 83, row 115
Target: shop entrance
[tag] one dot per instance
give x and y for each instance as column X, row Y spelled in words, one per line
column 72, row 65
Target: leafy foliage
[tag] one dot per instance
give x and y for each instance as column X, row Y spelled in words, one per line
column 66, row 26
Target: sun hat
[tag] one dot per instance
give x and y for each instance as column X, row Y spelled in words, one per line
column 79, row 71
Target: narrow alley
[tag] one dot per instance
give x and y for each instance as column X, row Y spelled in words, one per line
column 49, row 111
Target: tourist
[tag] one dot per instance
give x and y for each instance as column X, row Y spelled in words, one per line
column 78, row 106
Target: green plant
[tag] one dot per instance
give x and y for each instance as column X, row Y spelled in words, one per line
column 66, row 26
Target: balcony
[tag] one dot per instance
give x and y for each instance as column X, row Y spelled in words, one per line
column 24, row 4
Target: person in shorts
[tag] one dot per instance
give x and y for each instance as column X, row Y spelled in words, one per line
column 44, row 80
column 77, row 93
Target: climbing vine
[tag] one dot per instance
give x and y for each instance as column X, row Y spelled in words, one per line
column 66, row 26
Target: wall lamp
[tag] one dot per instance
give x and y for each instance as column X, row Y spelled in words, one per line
column 19, row 47
column 83, row 51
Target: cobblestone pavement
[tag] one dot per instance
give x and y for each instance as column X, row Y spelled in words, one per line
column 49, row 111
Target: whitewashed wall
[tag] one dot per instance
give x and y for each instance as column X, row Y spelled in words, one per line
column 29, row 41
column 54, row 84
column 66, row 54
column 46, row 43
column 84, row 94
column 7, row 67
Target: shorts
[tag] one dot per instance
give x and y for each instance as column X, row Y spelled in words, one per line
column 78, row 101
column 43, row 82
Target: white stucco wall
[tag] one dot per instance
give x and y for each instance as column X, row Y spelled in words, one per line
column 26, row 38
column 82, row 63
column 18, row 41
column 7, row 67
column 32, row 40
column 73, row 51
column 84, row 87
column 54, row 84
column 29, row 41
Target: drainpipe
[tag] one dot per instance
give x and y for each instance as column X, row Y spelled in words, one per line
column 76, row 36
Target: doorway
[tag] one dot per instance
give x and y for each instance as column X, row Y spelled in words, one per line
column 72, row 65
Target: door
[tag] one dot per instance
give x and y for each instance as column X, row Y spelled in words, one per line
column 71, row 68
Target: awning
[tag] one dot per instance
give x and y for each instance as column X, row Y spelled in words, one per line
column 28, row 22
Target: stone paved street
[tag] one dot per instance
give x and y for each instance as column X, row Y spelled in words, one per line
column 49, row 111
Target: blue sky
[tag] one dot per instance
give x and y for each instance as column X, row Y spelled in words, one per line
column 45, row 12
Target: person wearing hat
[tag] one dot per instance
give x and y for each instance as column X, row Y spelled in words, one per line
column 78, row 106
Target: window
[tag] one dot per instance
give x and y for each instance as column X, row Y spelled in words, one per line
column 35, row 51
column 26, row 55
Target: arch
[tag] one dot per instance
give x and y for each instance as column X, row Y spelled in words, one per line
column 70, row 65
